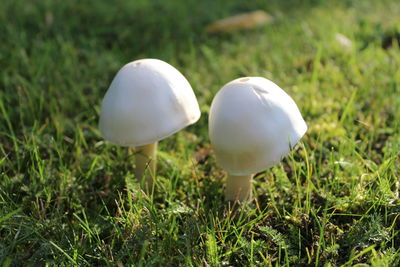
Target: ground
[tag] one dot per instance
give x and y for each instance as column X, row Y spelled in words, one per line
column 67, row 197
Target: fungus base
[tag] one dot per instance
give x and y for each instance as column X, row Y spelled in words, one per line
column 145, row 170
column 238, row 188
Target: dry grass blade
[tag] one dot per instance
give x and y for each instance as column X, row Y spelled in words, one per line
column 243, row 21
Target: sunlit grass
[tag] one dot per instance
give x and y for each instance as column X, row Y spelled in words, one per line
column 67, row 197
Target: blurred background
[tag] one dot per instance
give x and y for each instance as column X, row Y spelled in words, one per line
column 60, row 56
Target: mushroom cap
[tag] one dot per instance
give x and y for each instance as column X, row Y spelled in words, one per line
column 253, row 123
column 147, row 101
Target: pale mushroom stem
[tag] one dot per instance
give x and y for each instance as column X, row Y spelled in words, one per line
column 145, row 170
column 238, row 187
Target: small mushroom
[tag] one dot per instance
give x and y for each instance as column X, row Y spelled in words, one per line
column 148, row 100
column 253, row 123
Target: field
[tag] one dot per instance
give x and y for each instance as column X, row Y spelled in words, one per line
column 67, row 197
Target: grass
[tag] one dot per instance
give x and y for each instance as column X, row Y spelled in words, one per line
column 67, row 197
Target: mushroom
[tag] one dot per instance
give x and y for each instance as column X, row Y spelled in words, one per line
column 253, row 123
column 148, row 100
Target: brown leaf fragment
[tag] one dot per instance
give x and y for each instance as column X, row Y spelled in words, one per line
column 201, row 155
column 242, row 21
column 68, row 139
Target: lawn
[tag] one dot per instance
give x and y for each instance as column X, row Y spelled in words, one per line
column 67, row 197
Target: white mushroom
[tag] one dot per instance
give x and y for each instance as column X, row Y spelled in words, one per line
column 253, row 123
column 148, row 100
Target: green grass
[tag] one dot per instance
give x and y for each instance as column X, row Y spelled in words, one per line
column 67, row 197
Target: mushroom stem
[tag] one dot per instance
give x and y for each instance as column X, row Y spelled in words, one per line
column 238, row 187
column 145, row 170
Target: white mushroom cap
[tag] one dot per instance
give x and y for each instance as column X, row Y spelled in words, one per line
column 147, row 101
column 253, row 123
